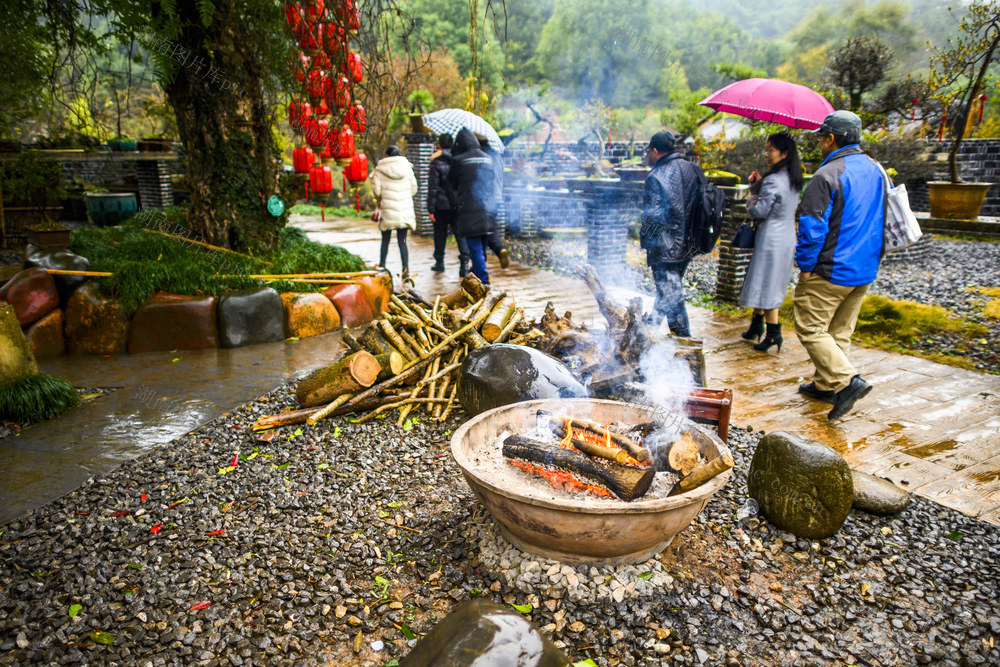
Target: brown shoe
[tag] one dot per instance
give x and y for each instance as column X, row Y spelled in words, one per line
column 504, row 258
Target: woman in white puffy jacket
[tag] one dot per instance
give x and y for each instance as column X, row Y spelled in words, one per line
column 394, row 186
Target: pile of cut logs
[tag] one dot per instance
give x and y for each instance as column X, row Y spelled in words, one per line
column 409, row 358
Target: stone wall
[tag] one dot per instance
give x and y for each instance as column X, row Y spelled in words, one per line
column 978, row 160
column 733, row 262
column 610, row 212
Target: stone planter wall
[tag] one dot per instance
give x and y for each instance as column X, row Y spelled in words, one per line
column 978, row 160
column 85, row 321
column 733, row 262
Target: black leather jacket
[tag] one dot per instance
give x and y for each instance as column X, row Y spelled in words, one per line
column 473, row 187
column 670, row 192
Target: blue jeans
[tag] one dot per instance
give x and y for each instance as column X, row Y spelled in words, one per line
column 477, row 252
column 670, row 297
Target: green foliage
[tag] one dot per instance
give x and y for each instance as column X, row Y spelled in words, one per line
column 883, row 319
column 35, row 398
column 31, row 179
column 144, row 263
column 904, row 153
column 858, row 66
column 739, row 71
column 330, row 211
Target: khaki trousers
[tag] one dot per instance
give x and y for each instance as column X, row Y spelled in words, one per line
column 825, row 317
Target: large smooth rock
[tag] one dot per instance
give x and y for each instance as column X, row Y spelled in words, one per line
column 95, row 322
column 352, row 304
column 251, row 316
column 33, row 294
column 377, row 289
column 308, row 314
column 802, row 485
column 878, row 496
column 60, row 258
column 174, row 322
column 480, row 632
column 503, row 374
column 15, row 354
column 46, row 336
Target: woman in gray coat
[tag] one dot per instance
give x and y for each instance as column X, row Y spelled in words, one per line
column 773, row 200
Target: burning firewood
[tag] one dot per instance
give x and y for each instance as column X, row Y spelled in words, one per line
column 626, row 482
column 636, row 451
column 683, row 455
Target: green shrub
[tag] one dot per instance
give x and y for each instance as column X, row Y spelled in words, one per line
column 144, row 263
column 35, row 398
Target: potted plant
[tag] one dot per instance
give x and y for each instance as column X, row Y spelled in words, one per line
column 48, row 234
column 122, row 144
column 958, row 74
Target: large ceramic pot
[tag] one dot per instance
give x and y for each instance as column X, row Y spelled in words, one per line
column 956, row 201
column 110, row 208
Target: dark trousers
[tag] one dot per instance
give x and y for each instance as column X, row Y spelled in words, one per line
column 477, row 248
column 404, row 254
column 495, row 243
column 669, row 280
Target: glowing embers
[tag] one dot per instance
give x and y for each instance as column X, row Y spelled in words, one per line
column 560, row 479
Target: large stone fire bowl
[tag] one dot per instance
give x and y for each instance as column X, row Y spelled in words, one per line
column 576, row 529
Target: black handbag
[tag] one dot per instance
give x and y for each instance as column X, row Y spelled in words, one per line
column 745, row 236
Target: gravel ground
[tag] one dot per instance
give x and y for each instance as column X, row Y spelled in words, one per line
column 310, row 566
column 947, row 276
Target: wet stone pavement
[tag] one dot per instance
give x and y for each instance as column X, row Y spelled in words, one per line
column 324, row 544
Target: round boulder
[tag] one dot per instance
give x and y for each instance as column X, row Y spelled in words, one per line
column 878, row 496
column 59, row 258
column 502, row 374
column 802, row 485
column 481, row 632
column 16, row 358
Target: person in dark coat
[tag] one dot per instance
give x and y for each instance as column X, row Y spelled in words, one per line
column 671, row 192
column 439, row 208
column 473, row 194
column 494, row 240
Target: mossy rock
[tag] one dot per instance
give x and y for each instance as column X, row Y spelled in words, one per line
column 878, row 496
column 16, row 359
column 802, row 485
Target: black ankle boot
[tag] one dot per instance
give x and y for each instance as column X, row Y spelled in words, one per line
column 773, row 337
column 756, row 329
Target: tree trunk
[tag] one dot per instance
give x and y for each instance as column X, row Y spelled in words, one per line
column 959, row 133
column 232, row 171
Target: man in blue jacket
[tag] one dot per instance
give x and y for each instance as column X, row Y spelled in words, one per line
column 838, row 252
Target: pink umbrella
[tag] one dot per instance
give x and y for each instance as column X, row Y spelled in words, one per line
column 773, row 101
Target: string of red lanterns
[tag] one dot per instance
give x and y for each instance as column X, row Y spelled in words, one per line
column 323, row 29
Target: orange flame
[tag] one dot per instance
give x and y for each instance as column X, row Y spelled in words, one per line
column 597, row 439
column 559, row 479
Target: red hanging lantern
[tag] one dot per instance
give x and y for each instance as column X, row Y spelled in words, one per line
column 299, row 114
column 341, row 90
column 303, row 159
column 913, row 117
column 312, row 41
column 982, row 108
column 319, row 85
column 317, row 132
column 335, row 43
column 315, row 11
column 348, row 15
column 343, row 147
column 354, row 68
column 294, row 17
column 944, row 121
column 320, row 61
column 322, row 109
column 302, row 68
column 357, row 172
column 321, row 181
column 355, row 118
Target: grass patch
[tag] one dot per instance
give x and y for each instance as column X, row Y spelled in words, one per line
column 885, row 320
column 144, row 263
column 35, row 398
column 992, row 309
column 331, row 211
column 709, row 302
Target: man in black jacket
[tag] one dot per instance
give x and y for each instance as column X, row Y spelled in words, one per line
column 493, row 240
column 473, row 194
column 439, row 207
column 670, row 194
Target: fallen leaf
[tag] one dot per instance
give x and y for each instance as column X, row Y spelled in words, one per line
column 226, row 507
column 954, row 535
column 322, row 466
column 336, row 431
column 236, row 460
column 178, row 502
column 383, row 515
column 157, row 528
column 135, row 566
column 646, row 576
column 175, row 360
column 142, row 498
column 357, row 642
column 408, row 425
column 74, row 609
column 292, row 339
column 394, row 504
column 297, row 433
column 864, row 588
column 267, row 436
column 886, row 530
column 523, row 608
column 82, row 513
column 221, row 531
column 407, row 631
column 121, row 513
column 585, row 663
column 89, row 397
column 102, row 638
column 253, row 455
column 283, row 466
column 201, row 605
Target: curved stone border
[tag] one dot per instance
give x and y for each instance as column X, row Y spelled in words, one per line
column 88, row 322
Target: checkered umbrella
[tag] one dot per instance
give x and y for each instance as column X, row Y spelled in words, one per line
column 450, row 121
